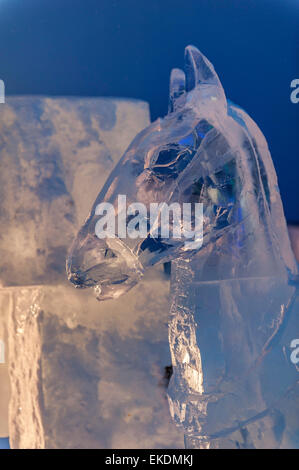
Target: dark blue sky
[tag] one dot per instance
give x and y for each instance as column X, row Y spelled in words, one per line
column 127, row 48
column 4, row 444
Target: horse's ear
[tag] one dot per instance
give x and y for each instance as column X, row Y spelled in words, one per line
column 198, row 69
column 176, row 87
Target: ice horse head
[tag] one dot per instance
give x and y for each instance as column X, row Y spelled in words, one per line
column 230, row 294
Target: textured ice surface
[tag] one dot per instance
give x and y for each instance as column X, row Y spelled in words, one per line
column 4, row 379
column 55, row 155
column 232, row 312
column 90, row 375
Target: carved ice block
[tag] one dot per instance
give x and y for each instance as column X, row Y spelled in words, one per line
column 85, row 375
column 78, row 379
column 5, row 307
column 55, row 155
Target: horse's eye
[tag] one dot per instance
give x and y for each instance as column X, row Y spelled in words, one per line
column 168, row 155
column 172, row 160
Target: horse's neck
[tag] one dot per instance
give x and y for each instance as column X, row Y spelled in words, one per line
column 223, row 339
column 224, row 325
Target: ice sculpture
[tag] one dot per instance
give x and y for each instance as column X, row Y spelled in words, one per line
column 232, row 316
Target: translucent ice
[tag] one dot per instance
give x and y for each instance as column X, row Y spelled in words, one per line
column 232, row 315
column 54, row 152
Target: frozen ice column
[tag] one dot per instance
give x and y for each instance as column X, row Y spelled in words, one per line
column 233, row 311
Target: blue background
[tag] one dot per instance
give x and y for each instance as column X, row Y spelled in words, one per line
column 4, row 444
column 128, row 47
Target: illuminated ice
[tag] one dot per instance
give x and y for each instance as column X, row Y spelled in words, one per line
column 232, row 316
